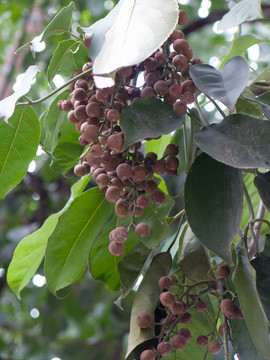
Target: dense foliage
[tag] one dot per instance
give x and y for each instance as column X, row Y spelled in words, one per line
column 170, row 211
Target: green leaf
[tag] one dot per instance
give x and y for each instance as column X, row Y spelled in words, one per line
column 246, row 10
column 136, row 31
column 213, row 204
column 194, row 259
column 68, row 149
column 225, row 85
column 158, row 146
column 30, row 251
column 148, row 118
column 262, row 183
column 262, row 266
column 71, row 240
column 146, row 299
column 244, row 281
column 239, row 140
column 58, row 25
column 53, row 121
column 69, row 56
column 7, row 105
column 18, row 147
column 264, row 101
column 154, row 216
column 246, row 104
column 240, row 45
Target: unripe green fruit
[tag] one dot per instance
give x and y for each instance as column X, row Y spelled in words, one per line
column 143, row 320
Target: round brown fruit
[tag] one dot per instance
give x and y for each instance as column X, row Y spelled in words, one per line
column 165, row 282
column 119, row 234
column 148, row 355
column 112, row 194
column 143, row 320
column 185, row 332
column 202, row 340
column 223, row 271
column 201, row 305
column 167, row 298
column 116, row 249
column 214, row 347
column 178, row 342
column 164, row 348
column 142, row 230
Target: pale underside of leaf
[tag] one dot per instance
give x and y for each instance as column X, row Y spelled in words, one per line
column 246, row 10
column 7, row 105
column 139, row 29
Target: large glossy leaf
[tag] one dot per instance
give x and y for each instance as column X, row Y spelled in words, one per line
column 225, row 85
column 139, row 28
column 154, row 216
column 68, row 149
column 148, row 118
column 194, row 258
column 213, row 204
column 30, row 251
column 7, row 105
column 69, row 56
column 246, row 10
column 239, row 140
column 262, row 266
column 70, row 242
column 146, row 299
column 241, row 44
column 262, row 183
column 255, row 318
column 18, row 147
column 58, row 25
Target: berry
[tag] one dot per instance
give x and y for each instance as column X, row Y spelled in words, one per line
column 158, row 197
column 164, row 348
column 113, row 115
column 159, row 167
column 182, row 17
column 161, row 88
column 202, row 340
column 179, row 107
column 112, row 194
column 174, row 278
column 142, row 202
column 81, row 83
column 165, row 282
column 172, row 149
column 90, row 133
column 187, row 98
column 80, row 170
column 116, row 249
column 201, row 306
column 87, row 40
column 177, row 308
column 92, row 109
column 214, row 347
column 151, row 186
column 102, row 180
column 148, row 93
column 186, row 318
column 96, row 151
column 227, row 306
column 119, row 234
column 178, row 342
column 124, row 171
column 172, row 162
column 142, row 230
column 179, row 61
column 79, row 94
column 80, row 113
column 223, row 271
column 143, row 320
column 180, row 44
column 175, row 90
column 148, row 355
column 122, row 208
column 185, row 332
column 167, row 298
column 138, row 173
column 72, row 118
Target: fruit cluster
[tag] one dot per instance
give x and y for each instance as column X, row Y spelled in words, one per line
column 125, row 174
column 172, row 335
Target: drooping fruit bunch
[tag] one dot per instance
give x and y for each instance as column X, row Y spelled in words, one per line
column 125, row 174
column 178, row 302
